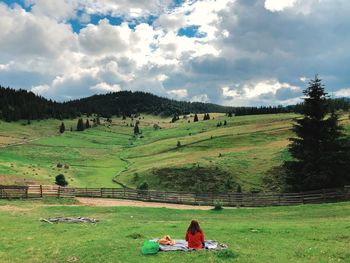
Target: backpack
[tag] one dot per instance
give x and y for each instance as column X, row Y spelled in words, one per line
column 150, row 247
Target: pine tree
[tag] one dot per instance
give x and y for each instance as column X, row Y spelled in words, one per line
column 136, row 129
column 80, row 125
column 195, row 119
column 87, row 124
column 320, row 150
column 62, row 128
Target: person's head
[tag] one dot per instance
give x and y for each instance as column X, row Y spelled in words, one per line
column 194, row 227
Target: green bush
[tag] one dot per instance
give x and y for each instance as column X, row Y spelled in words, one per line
column 218, row 205
column 61, row 180
column 143, row 186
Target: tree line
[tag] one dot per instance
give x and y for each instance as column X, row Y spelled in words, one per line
column 25, row 105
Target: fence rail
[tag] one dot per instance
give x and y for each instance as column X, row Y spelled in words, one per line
column 227, row 199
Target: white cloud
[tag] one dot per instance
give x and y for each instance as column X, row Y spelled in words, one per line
column 105, row 87
column 60, row 10
column 265, row 92
column 279, row 5
column 266, row 87
column 178, row 93
column 41, row 89
column 342, row 92
column 200, row 98
column 128, row 9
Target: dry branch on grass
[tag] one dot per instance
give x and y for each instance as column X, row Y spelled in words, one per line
column 52, row 220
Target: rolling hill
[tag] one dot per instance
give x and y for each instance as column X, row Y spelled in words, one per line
column 244, row 151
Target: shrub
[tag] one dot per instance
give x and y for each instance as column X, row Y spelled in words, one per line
column 143, row 186
column 61, row 180
column 218, row 205
column 178, row 144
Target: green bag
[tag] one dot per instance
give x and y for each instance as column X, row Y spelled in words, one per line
column 150, row 247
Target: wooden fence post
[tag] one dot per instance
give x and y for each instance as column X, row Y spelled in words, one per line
column 26, row 193
column 41, row 191
column 58, row 191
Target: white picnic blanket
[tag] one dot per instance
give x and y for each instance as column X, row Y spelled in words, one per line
column 181, row 245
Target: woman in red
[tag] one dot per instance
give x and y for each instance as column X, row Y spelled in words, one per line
column 194, row 236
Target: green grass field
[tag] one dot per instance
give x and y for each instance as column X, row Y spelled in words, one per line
column 247, row 148
column 309, row 233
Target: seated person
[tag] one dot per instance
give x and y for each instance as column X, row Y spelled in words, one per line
column 194, row 236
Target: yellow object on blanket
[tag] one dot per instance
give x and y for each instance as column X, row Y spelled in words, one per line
column 166, row 240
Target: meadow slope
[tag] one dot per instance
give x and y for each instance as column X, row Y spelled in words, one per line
column 246, row 149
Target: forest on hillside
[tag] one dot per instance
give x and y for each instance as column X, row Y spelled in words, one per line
column 25, row 105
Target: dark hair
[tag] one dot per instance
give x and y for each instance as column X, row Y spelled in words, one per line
column 194, row 227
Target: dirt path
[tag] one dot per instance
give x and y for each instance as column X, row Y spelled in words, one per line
column 119, row 202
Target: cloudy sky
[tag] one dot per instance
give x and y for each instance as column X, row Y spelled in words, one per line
column 231, row 52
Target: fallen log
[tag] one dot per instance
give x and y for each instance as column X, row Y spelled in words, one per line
column 69, row 220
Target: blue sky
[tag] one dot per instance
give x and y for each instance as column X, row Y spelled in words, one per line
column 231, row 52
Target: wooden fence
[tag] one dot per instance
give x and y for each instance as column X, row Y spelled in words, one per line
column 35, row 191
column 227, row 199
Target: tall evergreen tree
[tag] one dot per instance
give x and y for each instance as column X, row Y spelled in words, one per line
column 195, row 119
column 62, row 128
column 80, row 125
column 320, row 149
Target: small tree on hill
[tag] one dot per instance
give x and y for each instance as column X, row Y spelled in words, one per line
column 61, row 180
column 320, row 150
column 62, row 128
column 225, row 123
column 80, row 125
column 175, row 118
column 195, row 119
column 87, row 124
column 136, row 129
column 178, row 144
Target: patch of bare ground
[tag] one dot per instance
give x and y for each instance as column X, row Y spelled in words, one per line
column 12, row 208
column 119, row 202
column 18, row 180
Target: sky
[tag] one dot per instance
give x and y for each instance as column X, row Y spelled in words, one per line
column 229, row 52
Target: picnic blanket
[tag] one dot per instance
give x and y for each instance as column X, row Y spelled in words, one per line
column 181, row 245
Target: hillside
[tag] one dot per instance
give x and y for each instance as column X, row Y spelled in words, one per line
column 245, row 150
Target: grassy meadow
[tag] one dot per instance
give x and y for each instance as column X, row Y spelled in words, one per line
column 247, row 148
column 309, row 233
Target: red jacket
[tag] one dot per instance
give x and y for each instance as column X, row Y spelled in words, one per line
column 195, row 241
